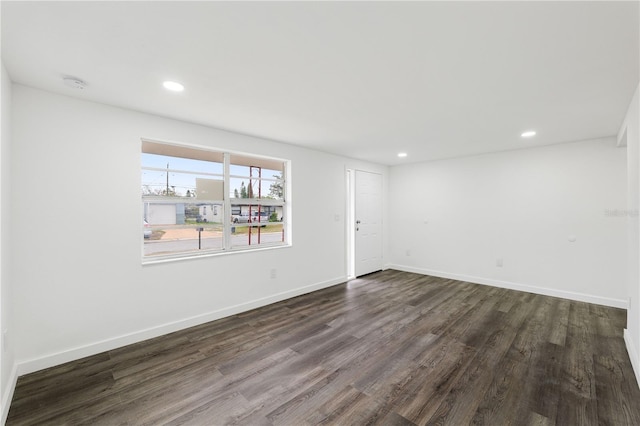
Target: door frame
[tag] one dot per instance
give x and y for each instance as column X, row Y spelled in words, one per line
column 350, row 218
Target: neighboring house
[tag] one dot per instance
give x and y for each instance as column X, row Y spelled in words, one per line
column 209, row 213
column 177, row 214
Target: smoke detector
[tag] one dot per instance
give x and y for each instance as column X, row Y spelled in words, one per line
column 74, row 83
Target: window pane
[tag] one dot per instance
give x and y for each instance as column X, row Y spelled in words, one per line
column 256, row 188
column 181, row 177
column 243, row 171
column 241, row 164
column 256, row 214
column 275, row 189
column 248, row 188
column 254, row 234
column 176, row 163
column 174, row 228
column 204, row 187
column 256, row 225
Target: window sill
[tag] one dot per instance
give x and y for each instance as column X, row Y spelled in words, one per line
column 188, row 256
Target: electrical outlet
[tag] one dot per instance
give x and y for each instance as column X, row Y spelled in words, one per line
column 273, row 274
column 499, row 262
column 408, row 253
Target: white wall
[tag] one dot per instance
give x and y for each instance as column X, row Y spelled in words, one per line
column 79, row 284
column 7, row 373
column 521, row 206
column 630, row 135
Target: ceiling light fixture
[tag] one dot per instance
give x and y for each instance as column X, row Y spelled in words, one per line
column 402, row 154
column 528, row 134
column 173, row 86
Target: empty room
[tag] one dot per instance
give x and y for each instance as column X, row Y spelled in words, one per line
column 290, row 213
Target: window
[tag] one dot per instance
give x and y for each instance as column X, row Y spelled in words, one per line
column 198, row 201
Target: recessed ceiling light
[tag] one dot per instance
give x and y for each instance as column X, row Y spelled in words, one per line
column 402, row 154
column 528, row 134
column 173, row 86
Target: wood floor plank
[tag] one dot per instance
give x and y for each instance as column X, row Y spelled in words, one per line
column 500, row 403
column 614, row 380
column 390, row 348
column 577, row 403
column 432, row 382
column 462, row 401
column 296, row 408
column 545, row 375
column 224, row 409
column 560, row 319
column 349, row 406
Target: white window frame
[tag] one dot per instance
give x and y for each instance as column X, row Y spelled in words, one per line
column 226, row 203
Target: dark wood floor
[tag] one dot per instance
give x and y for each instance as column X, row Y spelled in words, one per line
column 391, row 348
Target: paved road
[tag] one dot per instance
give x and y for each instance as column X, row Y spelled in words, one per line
column 185, row 245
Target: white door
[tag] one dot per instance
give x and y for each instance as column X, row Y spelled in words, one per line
column 368, row 223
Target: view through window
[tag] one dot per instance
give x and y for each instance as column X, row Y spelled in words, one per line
column 198, row 201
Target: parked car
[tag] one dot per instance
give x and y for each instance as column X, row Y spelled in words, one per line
column 255, row 217
column 146, row 229
column 242, row 218
column 264, row 217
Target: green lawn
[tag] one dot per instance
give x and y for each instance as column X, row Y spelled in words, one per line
column 276, row 227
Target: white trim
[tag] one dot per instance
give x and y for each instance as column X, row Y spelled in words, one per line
column 7, row 394
column 36, row 364
column 349, row 222
column 154, row 260
column 580, row 297
column 633, row 355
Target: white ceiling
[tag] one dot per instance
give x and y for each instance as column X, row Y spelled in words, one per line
column 364, row 80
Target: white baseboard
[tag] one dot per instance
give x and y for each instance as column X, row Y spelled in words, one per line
column 7, row 394
column 580, row 297
column 36, row 364
column 633, row 354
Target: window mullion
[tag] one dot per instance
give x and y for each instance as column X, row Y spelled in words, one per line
column 226, row 242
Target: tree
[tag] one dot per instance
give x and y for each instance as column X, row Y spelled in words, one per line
column 243, row 190
column 148, row 190
column 235, row 193
column 276, row 190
